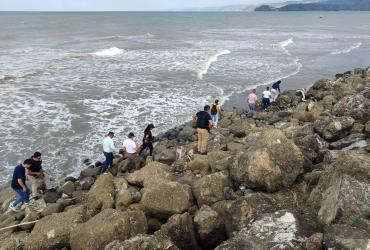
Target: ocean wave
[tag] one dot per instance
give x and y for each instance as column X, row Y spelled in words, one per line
column 211, row 59
column 282, row 45
column 13, row 77
column 114, row 51
column 347, row 50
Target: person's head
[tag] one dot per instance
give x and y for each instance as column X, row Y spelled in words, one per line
column 150, row 126
column 37, row 156
column 27, row 163
column 131, row 135
column 111, row 134
column 267, row 88
column 253, row 91
column 207, row 108
column 278, row 82
column 216, row 101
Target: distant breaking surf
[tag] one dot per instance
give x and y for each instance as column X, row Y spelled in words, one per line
column 347, row 50
column 211, row 59
column 108, row 52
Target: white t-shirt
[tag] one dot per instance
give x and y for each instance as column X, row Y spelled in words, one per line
column 130, row 146
column 266, row 94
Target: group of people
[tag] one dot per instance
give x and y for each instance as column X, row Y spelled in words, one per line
column 267, row 97
column 29, row 171
column 130, row 148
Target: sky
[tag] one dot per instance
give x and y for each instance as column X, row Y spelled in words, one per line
column 116, row 5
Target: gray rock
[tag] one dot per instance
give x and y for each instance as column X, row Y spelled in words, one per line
column 142, row 242
column 341, row 236
column 356, row 106
column 333, row 128
column 348, row 141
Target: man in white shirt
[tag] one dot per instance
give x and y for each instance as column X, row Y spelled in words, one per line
column 130, row 149
column 108, row 149
column 266, row 95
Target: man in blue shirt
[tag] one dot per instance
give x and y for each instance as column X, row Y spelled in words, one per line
column 19, row 184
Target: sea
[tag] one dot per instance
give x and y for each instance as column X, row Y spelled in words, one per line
column 66, row 79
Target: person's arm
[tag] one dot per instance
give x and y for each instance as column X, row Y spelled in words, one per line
column 20, row 182
column 29, row 172
column 112, row 147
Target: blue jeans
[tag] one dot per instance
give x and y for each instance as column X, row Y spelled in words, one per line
column 23, row 196
column 266, row 102
column 215, row 118
column 107, row 163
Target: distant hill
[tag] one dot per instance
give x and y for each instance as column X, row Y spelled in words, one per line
column 327, row 5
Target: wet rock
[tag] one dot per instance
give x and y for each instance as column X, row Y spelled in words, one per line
column 333, row 128
column 210, row 227
column 51, row 197
column 105, row 227
column 166, row 198
column 86, row 183
column 269, row 162
column 52, row 232
column 210, row 188
column 187, row 134
column 90, row 172
column 341, row 236
column 101, row 194
column 142, row 242
column 180, row 230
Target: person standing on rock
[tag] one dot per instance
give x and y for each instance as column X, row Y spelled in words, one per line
column 204, row 123
column 147, row 140
column 251, row 100
column 266, row 96
column 108, row 149
column 19, row 184
column 215, row 112
column 37, row 176
column 275, row 91
column 130, row 148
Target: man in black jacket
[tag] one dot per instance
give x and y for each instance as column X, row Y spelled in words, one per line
column 36, row 175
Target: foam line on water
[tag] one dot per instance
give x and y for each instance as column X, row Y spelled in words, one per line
column 347, row 50
column 211, row 59
column 284, row 44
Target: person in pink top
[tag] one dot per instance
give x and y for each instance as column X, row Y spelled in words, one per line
column 251, row 99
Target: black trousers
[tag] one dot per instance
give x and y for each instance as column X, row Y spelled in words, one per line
column 147, row 145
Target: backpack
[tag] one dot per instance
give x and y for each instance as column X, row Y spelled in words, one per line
column 214, row 109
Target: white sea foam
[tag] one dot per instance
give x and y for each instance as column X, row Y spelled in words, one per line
column 347, row 50
column 282, row 45
column 211, row 59
column 114, row 51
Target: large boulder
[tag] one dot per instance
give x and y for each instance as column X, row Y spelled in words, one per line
column 280, row 230
column 107, row 226
column 153, row 171
column 269, row 162
column 210, row 188
column 6, row 196
column 343, row 191
column 333, row 128
column 200, row 165
column 210, row 227
column 142, row 242
column 352, row 141
column 167, row 198
column 320, row 89
column 101, row 194
column 341, row 236
column 180, row 230
column 219, row 160
column 53, row 232
column 165, row 154
column 356, row 106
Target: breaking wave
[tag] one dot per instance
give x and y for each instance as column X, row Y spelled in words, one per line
column 282, row 45
column 211, row 59
column 347, row 50
column 114, row 51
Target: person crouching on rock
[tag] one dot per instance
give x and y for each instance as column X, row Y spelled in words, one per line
column 266, row 95
column 275, row 91
column 204, row 123
column 130, row 148
column 108, row 150
column 147, row 140
column 19, row 184
column 37, row 176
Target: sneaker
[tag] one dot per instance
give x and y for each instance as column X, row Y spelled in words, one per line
column 24, row 205
column 14, row 208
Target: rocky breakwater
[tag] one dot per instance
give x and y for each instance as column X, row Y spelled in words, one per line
column 295, row 177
